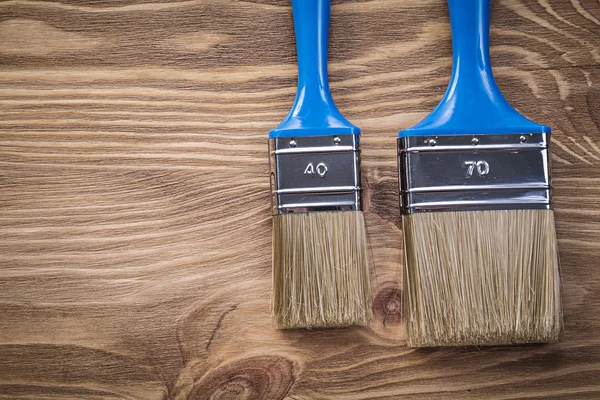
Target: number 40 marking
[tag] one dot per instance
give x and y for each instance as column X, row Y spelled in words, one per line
column 320, row 169
column 481, row 166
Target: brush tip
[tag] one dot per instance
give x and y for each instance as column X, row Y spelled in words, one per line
column 481, row 278
column 320, row 270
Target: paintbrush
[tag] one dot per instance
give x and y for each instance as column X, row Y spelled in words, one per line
column 320, row 266
column 481, row 263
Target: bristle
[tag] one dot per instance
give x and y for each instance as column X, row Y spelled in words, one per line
column 320, row 270
column 481, row 278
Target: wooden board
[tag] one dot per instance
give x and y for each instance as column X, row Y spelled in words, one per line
column 134, row 197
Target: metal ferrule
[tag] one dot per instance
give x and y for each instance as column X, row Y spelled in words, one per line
column 474, row 172
column 315, row 173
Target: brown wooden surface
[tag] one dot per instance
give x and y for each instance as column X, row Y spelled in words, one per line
column 134, row 207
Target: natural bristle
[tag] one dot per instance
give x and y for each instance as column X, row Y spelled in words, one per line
column 320, row 270
column 481, row 278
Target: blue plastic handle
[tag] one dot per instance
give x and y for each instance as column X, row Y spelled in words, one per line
column 314, row 112
column 473, row 103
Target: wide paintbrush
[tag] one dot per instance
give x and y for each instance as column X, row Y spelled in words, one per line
column 480, row 246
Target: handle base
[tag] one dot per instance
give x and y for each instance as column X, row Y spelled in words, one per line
column 473, row 103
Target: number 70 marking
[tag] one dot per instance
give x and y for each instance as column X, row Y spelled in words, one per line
column 481, row 166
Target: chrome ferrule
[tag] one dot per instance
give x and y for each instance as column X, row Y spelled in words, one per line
column 315, row 173
column 474, row 172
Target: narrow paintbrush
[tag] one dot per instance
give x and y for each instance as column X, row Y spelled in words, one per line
column 480, row 246
column 320, row 269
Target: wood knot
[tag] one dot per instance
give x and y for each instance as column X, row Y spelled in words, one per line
column 254, row 378
column 387, row 306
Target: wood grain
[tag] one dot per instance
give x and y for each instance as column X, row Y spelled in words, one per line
column 134, row 206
